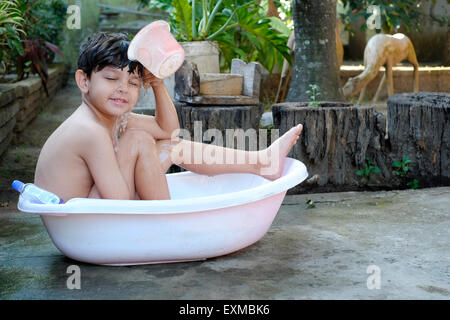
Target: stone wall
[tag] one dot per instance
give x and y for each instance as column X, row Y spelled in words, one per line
column 21, row 102
column 431, row 79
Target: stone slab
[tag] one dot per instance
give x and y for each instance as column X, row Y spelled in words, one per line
column 252, row 73
column 221, row 84
column 28, row 104
column 218, row 100
column 7, row 127
column 8, row 112
column 5, row 141
column 7, row 95
column 21, row 125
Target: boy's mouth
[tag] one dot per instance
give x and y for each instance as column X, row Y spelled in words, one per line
column 119, row 101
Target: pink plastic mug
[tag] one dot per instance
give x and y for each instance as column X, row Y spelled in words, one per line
column 157, row 50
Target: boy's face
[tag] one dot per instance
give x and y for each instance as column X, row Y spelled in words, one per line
column 112, row 90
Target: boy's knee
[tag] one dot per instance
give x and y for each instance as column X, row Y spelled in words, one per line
column 140, row 137
column 164, row 142
column 146, row 138
column 136, row 142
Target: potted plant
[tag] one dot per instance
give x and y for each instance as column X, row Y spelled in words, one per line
column 238, row 28
column 11, row 29
column 26, row 29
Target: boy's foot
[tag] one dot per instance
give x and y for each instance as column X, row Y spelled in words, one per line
column 271, row 160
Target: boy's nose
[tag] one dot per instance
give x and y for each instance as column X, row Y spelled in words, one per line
column 123, row 86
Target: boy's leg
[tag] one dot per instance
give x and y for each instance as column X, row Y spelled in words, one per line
column 144, row 162
column 211, row 160
column 141, row 167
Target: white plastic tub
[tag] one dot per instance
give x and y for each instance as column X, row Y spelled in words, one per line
column 207, row 216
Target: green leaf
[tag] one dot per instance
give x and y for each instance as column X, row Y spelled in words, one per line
column 183, row 16
column 239, row 51
column 227, row 12
column 397, row 164
column 271, row 43
column 280, row 26
column 253, row 39
column 413, row 184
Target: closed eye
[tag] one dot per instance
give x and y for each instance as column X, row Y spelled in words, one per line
column 132, row 83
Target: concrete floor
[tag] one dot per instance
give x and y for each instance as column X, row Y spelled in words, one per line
column 309, row 253
column 322, row 252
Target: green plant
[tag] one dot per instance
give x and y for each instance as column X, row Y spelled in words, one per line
column 238, row 26
column 11, row 28
column 43, row 18
column 413, row 184
column 41, row 21
column 368, row 171
column 37, row 53
column 402, row 167
column 314, row 92
column 393, row 14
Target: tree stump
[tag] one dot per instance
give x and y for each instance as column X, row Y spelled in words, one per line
column 336, row 139
column 419, row 127
column 203, row 117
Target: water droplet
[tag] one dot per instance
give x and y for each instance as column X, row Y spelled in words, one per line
column 119, row 129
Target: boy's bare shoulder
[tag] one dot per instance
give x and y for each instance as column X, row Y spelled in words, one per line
column 92, row 134
column 89, row 129
column 83, row 132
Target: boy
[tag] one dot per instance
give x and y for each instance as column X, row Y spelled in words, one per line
column 79, row 158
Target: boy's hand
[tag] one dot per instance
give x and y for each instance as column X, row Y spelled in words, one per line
column 150, row 80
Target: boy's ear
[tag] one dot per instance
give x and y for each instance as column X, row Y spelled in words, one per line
column 82, row 81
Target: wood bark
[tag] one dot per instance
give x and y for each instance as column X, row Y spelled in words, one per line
column 334, row 144
column 315, row 59
column 272, row 9
column 419, row 127
column 218, row 117
column 338, row 137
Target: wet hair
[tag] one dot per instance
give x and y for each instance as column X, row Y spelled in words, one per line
column 104, row 49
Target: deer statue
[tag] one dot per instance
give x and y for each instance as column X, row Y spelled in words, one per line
column 286, row 73
column 382, row 50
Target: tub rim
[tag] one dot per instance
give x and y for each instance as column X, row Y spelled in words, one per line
column 296, row 173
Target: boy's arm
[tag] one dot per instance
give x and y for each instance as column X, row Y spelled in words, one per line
column 98, row 153
column 165, row 113
column 165, row 122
